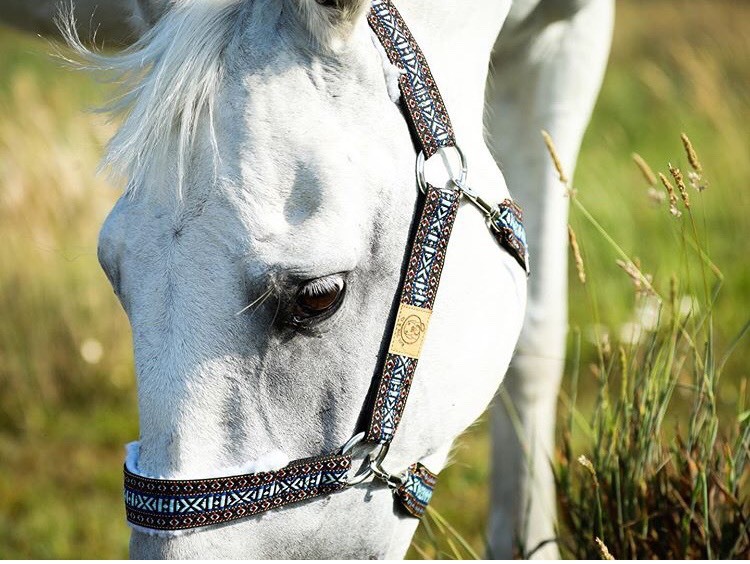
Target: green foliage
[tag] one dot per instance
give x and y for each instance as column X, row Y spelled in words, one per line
column 641, row 490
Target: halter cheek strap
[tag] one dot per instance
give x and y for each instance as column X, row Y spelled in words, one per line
column 176, row 505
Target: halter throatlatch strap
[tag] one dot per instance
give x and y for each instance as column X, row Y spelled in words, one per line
column 173, row 505
column 416, row 491
column 432, row 127
column 429, row 117
column 507, row 227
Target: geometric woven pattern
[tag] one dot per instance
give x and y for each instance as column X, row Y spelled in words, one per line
column 186, row 504
column 508, row 229
column 416, row 491
column 428, row 249
column 429, row 119
column 393, row 391
column 420, row 92
column 419, row 288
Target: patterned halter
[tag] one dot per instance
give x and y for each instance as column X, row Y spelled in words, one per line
column 171, row 505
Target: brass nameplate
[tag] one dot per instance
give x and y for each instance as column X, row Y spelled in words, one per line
column 411, row 328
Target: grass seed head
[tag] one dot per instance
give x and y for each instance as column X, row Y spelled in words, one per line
column 577, row 255
column 641, row 281
column 691, row 154
column 588, row 465
column 646, row 171
column 606, row 555
column 671, row 194
column 695, row 176
column 555, row 157
column 680, row 181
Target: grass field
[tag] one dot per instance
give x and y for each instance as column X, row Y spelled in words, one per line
column 67, row 400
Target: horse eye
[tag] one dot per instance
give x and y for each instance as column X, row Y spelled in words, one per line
column 319, row 297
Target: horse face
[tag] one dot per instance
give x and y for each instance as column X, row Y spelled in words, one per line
column 259, row 293
column 258, row 299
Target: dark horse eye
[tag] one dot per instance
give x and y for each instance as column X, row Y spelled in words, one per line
column 319, row 297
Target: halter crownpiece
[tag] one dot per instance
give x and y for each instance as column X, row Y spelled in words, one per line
column 174, row 505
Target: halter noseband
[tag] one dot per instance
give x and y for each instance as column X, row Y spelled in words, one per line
column 172, row 505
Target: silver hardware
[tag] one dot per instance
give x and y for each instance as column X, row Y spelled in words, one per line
column 374, row 459
column 393, row 481
column 490, row 211
column 461, row 180
column 354, row 441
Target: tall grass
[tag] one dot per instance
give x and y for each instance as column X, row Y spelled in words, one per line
column 66, row 378
column 656, row 471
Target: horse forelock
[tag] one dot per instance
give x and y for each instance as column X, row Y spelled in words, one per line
column 169, row 78
column 167, row 81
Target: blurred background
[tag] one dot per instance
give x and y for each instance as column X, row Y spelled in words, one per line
column 67, row 398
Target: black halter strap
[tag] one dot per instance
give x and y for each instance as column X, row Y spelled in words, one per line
column 187, row 504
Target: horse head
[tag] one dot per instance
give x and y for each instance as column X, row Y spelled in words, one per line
column 258, row 250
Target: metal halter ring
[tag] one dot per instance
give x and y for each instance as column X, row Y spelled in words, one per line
column 460, row 181
column 375, row 456
column 490, row 211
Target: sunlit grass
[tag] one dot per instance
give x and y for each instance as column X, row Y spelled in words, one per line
column 646, row 490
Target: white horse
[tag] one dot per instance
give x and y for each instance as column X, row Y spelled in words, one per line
column 269, row 165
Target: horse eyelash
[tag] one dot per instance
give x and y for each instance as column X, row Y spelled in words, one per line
column 322, row 285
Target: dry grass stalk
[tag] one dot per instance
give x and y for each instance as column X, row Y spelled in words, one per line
column 695, row 176
column 642, row 282
column 691, row 154
column 642, row 165
column 671, row 194
column 680, row 181
column 657, row 493
column 555, row 157
column 606, row 555
column 588, row 465
column 577, row 255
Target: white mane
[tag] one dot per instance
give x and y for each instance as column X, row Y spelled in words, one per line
column 169, row 79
